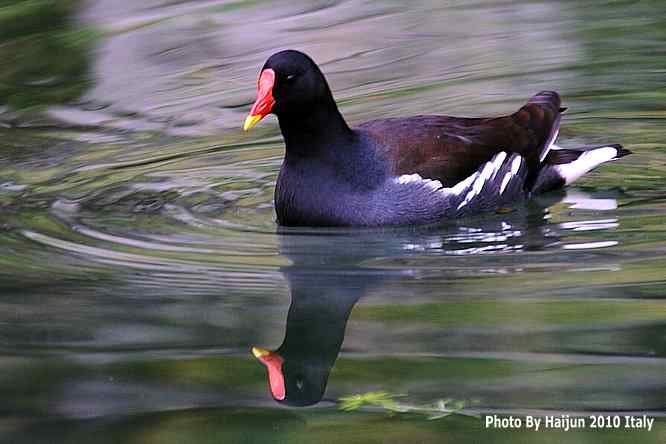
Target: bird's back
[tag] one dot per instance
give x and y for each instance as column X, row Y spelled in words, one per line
column 449, row 149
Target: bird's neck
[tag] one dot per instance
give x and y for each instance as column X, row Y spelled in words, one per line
column 309, row 133
column 316, row 325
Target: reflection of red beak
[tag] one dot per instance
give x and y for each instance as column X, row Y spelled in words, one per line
column 273, row 363
column 264, row 103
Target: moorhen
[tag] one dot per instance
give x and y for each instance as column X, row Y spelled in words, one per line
column 412, row 170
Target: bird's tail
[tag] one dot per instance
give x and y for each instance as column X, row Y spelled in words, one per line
column 564, row 166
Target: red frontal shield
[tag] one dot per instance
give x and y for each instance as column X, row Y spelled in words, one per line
column 265, row 101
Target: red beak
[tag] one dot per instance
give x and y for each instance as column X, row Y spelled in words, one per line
column 273, row 363
column 265, row 101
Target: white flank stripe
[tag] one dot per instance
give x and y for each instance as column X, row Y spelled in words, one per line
column 408, row 178
column 417, row 179
column 497, row 163
column 515, row 165
column 586, row 162
column 433, row 184
column 488, row 172
column 505, row 181
column 462, row 186
column 473, row 184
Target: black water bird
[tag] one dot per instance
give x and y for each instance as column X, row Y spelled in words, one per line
column 405, row 171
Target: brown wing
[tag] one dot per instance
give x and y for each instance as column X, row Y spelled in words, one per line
column 450, row 149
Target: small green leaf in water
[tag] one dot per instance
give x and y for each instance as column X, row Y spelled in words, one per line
column 386, row 401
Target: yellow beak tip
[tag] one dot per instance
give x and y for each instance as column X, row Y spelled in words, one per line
column 259, row 352
column 250, row 121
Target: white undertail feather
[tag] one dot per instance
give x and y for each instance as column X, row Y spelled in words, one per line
column 586, row 162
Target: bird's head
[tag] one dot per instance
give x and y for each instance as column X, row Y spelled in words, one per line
column 289, row 83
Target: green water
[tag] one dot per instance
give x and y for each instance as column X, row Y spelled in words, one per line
column 140, row 260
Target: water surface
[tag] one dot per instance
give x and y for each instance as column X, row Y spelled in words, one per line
column 140, row 259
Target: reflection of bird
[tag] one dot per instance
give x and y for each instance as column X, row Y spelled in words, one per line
column 406, row 170
column 323, row 293
column 298, row 370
